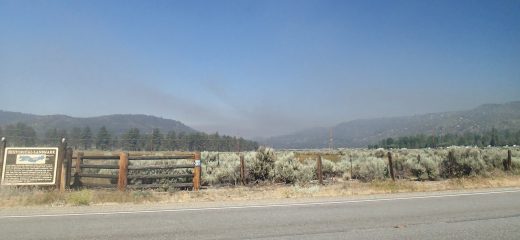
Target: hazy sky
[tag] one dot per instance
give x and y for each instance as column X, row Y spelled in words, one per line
column 257, row 68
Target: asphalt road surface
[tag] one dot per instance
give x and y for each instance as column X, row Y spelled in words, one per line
column 475, row 215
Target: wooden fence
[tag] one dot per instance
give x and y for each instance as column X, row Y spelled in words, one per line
column 72, row 170
column 119, row 172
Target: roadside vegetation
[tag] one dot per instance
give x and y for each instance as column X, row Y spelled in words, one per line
column 299, row 167
column 271, row 174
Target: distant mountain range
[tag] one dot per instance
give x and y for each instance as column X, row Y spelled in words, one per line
column 357, row 133
column 361, row 133
column 116, row 124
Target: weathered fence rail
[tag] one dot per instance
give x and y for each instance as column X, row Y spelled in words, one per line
column 80, row 172
column 121, row 178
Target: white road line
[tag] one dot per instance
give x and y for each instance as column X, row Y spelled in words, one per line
column 260, row 206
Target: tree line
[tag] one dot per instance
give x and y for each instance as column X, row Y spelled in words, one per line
column 22, row 135
column 492, row 137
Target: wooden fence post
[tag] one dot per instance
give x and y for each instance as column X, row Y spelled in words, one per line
column 242, row 170
column 509, row 163
column 79, row 161
column 196, row 171
column 351, row 176
column 391, row 166
column 319, row 170
column 122, row 179
column 68, row 167
column 3, row 144
column 60, row 173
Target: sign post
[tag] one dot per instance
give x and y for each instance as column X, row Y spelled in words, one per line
column 3, row 144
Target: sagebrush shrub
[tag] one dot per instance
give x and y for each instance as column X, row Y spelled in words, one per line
column 463, row 162
column 330, row 168
column 416, row 169
column 515, row 163
column 342, row 168
column 432, row 168
column 286, row 168
column 262, row 166
column 493, row 158
column 380, row 153
column 220, row 168
column 423, row 168
column 400, row 165
column 370, row 169
column 367, row 164
column 292, row 171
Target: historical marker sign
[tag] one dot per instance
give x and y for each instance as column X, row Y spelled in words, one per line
column 29, row 166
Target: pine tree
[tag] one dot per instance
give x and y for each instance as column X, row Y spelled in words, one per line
column 86, row 138
column 51, row 137
column 20, row 135
column 115, row 144
column 131, row 140
column 103, row 139
column 75, row 138
column 182, row 142
column 215, row 142
column 156, row 139
column 28, row 135
column 494, row 137
column 171, row 141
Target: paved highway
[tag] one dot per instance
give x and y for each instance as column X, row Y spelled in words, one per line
column 473, row 215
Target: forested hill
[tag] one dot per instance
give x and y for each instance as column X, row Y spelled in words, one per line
column 127, row 132
column 117, row 124
column 361, row 133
